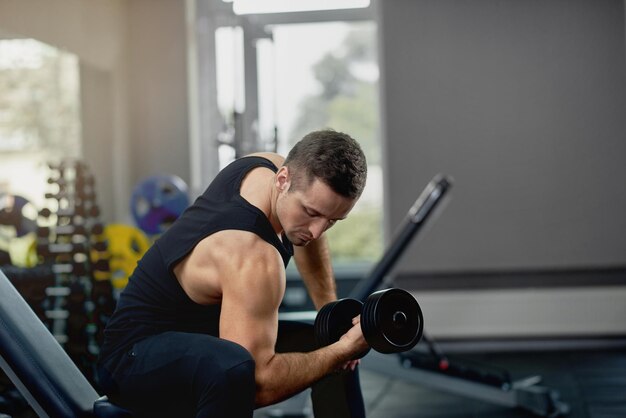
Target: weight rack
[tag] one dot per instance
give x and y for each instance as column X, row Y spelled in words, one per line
column 70, row 239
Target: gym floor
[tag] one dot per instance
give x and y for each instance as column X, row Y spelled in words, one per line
column 591, row 381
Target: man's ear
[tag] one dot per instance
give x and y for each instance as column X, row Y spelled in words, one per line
column 283, row 179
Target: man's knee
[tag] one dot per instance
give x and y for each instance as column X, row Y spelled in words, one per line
column 234, row 369
column 232, row 356
column 241, row 376
column 232, row 390
column 238, row 370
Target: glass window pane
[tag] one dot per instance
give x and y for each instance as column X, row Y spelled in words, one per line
column 39, row 114
column 230, row 87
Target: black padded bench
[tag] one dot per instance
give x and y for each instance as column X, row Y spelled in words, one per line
column 40, row 368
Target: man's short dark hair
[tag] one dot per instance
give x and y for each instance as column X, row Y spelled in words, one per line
column 333, row 157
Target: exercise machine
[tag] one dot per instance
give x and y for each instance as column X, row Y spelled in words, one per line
column 39, row 367
column 427, row 364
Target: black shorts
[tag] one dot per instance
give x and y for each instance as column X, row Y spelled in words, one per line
column 177, row 374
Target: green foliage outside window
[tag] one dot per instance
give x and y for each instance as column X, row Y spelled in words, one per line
column 357, row 238
column 39, row 106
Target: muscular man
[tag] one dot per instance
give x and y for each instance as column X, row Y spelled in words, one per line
column 196, row 331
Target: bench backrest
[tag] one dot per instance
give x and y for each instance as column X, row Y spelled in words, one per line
column 37, row 364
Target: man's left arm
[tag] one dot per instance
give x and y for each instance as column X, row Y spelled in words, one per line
column 315, row 267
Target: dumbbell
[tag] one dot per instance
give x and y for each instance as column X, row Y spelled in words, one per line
column 54, row 249
column 391, row 321
column 70, row 230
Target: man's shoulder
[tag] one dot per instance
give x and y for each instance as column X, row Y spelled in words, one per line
column 235, row 243
column 277, row 159
column 243, row 256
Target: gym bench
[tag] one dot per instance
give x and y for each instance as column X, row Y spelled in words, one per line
column 39, row 367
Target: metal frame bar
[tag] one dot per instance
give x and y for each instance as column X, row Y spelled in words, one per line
column 525, row 394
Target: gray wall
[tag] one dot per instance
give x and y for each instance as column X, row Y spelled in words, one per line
column 98, row 131
column 157, row 65
column 524, row 104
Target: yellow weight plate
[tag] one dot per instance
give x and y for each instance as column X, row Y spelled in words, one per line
column 126, row 245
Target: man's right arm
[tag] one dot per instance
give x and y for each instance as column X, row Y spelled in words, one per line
column 249, row 316
column 285, row 374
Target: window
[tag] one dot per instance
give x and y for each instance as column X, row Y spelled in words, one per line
column 326, row 75
column 230, row 88
column 39, row 114
column 267, row 78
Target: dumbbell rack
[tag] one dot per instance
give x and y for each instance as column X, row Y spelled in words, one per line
column 70, row 238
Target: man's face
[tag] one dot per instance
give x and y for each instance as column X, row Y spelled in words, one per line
column 306, row 212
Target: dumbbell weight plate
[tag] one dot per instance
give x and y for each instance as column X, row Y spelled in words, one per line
column 335, row 319
column 392, row 321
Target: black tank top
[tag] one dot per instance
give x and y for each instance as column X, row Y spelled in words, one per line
column 153, row 301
